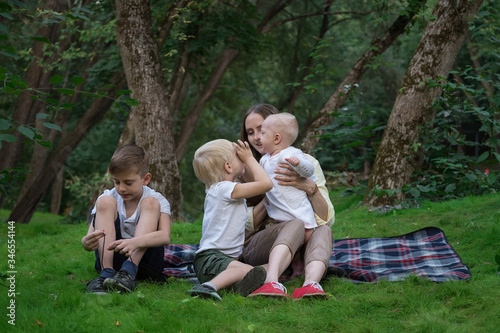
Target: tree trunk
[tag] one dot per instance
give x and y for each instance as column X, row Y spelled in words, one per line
column 128, row 134
column 170, row 18
column 26, row 108
column 178, row 87
column 57, row 190
column 27, row 203
column 377, row 47
column 223, row 63
column 153, row 120
column 190, row 121
column 41, row 153
column 433, row 58
column 291, row 99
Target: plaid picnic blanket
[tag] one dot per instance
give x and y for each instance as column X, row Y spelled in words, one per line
column 424, row 252
column 178, row 260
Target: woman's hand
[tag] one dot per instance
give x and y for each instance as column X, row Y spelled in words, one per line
column 289, row 177
column 90, row 242
column 124, row 246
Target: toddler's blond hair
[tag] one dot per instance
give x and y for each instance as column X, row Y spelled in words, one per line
column 209, row 159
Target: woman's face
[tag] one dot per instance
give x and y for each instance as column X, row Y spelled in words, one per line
column 253, row 126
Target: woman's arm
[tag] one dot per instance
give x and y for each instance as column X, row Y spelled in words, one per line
column 318, row 202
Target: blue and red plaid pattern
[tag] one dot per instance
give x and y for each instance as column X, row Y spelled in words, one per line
column 424, row 253
column 178, row 260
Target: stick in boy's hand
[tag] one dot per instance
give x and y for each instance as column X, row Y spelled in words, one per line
column 90, row 242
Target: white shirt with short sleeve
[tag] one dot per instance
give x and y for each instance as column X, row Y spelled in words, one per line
column 286, row 203
column 224, row 220
column 128, row 225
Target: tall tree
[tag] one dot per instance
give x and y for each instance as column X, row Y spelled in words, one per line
column 290, row 99
column 42, row 153
column 377, row 47
column 46, row 164
column 222, row 64
column 27, row 203
column 153, row 122
column 239, row 41
column 36, row 76
column 433, row 58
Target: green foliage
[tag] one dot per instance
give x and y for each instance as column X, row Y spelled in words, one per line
column 349, row 140
column 83, row 193
column 377, row 191
column 8, row 125
column 6, row 177
column 458, row 161
column 322, row 71
column 222, row 24
column 31, row 134
column 460, row 147
column 64, row 84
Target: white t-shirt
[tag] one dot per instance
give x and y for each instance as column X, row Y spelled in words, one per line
column 127, row 225
column 224, row 220
column 286, row 203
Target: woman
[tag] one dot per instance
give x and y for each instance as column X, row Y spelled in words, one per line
column 277, row 243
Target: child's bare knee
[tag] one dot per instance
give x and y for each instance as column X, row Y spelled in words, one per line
column 106, row 202
column 150, row 203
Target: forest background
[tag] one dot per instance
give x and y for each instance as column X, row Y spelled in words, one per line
column 81, row 78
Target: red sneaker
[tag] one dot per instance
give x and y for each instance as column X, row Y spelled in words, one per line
column 312, row 290
column 271, row 289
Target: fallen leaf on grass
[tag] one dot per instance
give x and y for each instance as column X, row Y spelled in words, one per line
column 39, row 323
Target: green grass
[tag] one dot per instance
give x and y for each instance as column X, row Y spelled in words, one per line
column 52, row 270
